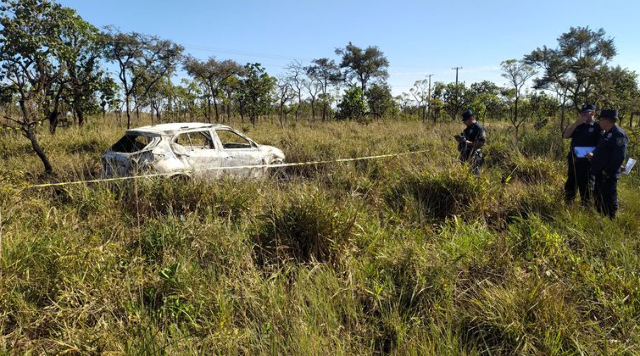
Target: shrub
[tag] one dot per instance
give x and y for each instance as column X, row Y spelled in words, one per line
column 308, row 227
column 535, row 171
column 520, row 317
column 546, row 142
column 437, row 195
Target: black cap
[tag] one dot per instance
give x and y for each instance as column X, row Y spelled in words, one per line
column 610, row 114
column 467, row 115
column 588, row 107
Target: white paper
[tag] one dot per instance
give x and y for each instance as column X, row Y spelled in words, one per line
column 630, row 163
column 582, row 152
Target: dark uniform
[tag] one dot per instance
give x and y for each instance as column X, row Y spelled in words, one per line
column 473, row 133
column 605, row 167
column 579, row 174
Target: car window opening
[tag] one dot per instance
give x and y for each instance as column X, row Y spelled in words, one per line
column 194, row 140
column 131, row 143
column 231, row 140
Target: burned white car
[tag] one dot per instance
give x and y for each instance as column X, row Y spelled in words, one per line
column 188, row 150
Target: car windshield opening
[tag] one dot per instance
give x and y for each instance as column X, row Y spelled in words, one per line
column 132, row 143
column 231, row 140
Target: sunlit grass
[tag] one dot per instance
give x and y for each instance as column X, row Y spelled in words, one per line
column 403, row 255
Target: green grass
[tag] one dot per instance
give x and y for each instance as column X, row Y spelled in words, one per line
column 405, row 255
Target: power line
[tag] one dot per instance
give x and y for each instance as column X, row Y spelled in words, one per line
column 245, row 53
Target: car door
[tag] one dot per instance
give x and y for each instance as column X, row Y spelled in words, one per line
column 237, row 150
column 198, row 152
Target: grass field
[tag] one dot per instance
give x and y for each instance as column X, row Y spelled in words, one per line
column 406, row 255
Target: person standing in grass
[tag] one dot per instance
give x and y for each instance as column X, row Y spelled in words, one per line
column 470, row 142
column 585, row 132
column 606, row 161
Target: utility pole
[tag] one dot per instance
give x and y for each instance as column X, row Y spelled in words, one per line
column 429, row 97
column 456, row 69
column 457, row 91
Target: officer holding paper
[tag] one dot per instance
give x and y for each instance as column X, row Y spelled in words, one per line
column 470, row 142
column 584, row 134
column 606, row 160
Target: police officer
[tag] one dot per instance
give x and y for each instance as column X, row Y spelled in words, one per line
column 585, row 132
column 606, row 161
column 471, row 141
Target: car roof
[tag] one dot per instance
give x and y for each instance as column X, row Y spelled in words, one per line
column 171, row 128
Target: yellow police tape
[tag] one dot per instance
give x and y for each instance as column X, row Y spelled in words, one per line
column 4, row 127
column 278, row 165
column 9, row 128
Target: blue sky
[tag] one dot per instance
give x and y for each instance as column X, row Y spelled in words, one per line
column 417, row 37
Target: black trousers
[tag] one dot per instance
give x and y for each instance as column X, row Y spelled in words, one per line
column 605, row 193
column 578, row 179
column 475, row 159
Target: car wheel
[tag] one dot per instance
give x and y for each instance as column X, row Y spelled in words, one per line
column 280, row 173
column 180, row 178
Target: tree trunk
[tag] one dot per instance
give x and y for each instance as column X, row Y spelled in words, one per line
column 515, row 114
column 80, row 115
column 128, row 108
column 324, row 111
column 215, row 107
column 53, row 122
column 208, row 110
column 562, row 110
column 28, row 132
column 313, row 109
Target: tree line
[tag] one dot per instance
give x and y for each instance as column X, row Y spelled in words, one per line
column 53, row 66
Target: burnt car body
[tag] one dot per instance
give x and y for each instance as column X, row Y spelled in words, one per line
column 188, row 149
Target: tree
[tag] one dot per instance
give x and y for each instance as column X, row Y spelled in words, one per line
column 365, row 65
column 380, row 100
column 541, row 108
column 82, row 60
column 314, row 90
column 108, row 94
column 403, row 100
column 33, row 56
column 571, row 69
column 186, row 98
column 517, row 73
column 295, row 76
column 327, row 73
column 352, row 106
column 420, row 93
column 212, row 74
column 617, row 87
column 140, row 57
column 484, row 98
column 285, row 94
column 454, row 97
column 255, row 91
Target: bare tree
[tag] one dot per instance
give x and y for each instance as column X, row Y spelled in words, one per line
column 517, row 72
column 285, row 94
column 420, row 93
column 295, row 75
column 327, row 73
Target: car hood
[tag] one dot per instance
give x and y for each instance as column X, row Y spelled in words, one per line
column 276, row 152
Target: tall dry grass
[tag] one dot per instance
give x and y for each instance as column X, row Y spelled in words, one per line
column 407, row 255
